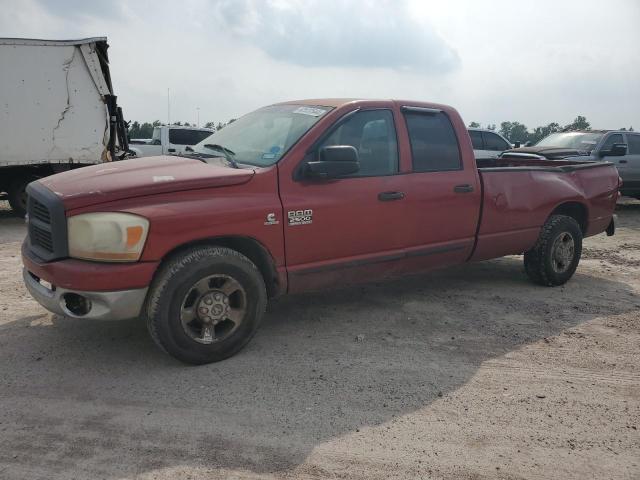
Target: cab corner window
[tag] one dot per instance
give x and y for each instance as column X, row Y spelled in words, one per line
column 434, row 146
column 372, row 133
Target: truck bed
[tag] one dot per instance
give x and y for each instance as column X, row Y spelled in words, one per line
column 518, row 194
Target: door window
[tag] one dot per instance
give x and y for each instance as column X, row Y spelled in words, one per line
column 633, row 140
column 494, row 142
column 611, row 139
column 434, row 145
column 184, row 136
column 373, row 134
column 476, row 139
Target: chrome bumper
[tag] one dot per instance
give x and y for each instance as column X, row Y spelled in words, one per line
column 117, row 305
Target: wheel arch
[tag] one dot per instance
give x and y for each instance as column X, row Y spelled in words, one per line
column 576, row 210
column 247, row 246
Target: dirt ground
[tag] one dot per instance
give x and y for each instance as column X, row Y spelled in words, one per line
column 467, row 373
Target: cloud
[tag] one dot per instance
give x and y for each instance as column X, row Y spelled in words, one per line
column 79, row 8
column 367, row 34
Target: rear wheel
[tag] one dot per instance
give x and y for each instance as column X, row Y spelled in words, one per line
column 554, row 258
column 206, row 304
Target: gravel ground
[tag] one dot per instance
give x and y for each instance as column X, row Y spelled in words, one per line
column 467, row 373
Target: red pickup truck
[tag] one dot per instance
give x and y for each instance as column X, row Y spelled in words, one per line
column 293, row 197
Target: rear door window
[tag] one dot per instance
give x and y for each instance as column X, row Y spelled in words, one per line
column 476, row 140
column 184, row 136
column 434, row 145
column 494, row 142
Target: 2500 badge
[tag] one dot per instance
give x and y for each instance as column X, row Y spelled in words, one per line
column 300, row 217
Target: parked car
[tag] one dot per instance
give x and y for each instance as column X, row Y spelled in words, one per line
column 58, row 111
column 294, row 197
column 487, row 143
column 167, row 140
column 619, row 147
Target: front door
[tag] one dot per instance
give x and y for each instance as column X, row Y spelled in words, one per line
column 348, row 229
column 629, row 165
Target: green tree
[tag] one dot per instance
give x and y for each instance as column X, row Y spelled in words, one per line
column 146, row 130
column 134, row 130
column 579, row 123
column 210, row 125
column 491, row 126
column 543, row 131
column 474, row 125
column 514, row 131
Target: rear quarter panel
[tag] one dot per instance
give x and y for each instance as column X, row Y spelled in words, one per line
column 517, row 202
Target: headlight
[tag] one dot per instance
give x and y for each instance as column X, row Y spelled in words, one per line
column 108, row 237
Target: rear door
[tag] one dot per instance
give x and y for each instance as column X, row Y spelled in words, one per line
column 442, row 205
column 348, row 229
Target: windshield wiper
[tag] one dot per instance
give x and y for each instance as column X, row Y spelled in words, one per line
column 225, row 151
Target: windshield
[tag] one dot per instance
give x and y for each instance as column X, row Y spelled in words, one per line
column 578, row 140
column 262, row 137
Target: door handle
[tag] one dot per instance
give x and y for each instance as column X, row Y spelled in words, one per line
column 623, row 161
column 171, row 150
column 466, row 188
column 389, row 196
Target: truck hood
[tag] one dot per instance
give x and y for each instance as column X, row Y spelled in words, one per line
column 551, row 153
column 112, row 181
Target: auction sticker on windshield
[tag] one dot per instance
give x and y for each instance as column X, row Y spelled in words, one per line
column 313, row 111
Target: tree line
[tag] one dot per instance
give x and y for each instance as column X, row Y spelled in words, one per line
column 514, row 131
column 518, row 132
column 145, row 129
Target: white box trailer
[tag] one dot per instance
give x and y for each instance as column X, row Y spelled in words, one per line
column 57, row 110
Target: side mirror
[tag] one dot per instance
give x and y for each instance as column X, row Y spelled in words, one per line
column 334, row 161
column 188, row 149
column 617, row 150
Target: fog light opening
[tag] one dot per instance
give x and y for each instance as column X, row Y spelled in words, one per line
column 76, row 304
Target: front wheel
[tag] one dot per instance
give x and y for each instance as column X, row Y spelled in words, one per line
column 205, row 304
column 554, row 258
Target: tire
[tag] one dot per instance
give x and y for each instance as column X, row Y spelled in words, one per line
column 205, row 304
column 554, row 258
column 18, row 195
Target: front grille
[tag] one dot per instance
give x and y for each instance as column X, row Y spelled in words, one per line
column 42, row 238
column 47, row 223
column 39, row 211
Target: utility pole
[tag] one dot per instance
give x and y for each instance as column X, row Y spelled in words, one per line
column 168, row 109
column 198, row 122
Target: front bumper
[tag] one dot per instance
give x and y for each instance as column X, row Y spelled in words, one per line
column 113, row 305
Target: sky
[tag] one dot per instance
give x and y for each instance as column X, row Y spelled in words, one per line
column 494, row 60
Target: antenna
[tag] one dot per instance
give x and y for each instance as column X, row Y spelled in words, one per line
column 168, row 109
